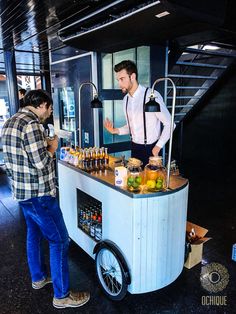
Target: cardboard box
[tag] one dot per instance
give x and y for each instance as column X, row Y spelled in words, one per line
column 195, row 256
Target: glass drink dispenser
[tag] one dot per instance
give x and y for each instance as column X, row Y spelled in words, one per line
column 155, row 174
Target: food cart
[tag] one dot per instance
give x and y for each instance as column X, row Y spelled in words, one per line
column 142, row 241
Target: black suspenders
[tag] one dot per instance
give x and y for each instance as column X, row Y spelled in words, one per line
column 144, row 117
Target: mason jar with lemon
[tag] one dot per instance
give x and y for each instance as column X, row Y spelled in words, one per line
column 155, row 174
column 134, row 175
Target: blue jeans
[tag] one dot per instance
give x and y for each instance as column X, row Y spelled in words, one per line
column 44, row 220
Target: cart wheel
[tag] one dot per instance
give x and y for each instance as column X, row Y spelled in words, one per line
column 110, row 274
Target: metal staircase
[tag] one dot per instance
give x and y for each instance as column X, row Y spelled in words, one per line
column 194, row 73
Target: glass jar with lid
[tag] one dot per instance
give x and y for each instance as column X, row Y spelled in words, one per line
column 134, row 174
column 155, row 174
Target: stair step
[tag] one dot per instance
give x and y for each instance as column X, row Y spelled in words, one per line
column 181, row 106
column 180, row 113
column 204, row 65
column 211, row 53
column 188, row 87
column 185, row 97
column 194, row 76
column 209, row 79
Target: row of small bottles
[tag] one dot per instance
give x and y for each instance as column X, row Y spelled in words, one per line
column 90, row 220
column 88, row 159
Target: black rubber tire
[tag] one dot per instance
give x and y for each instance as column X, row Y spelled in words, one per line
column 123, row 289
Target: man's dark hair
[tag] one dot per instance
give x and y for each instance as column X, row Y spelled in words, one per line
column 127, row 65
column 22, row 91
column 36, row 97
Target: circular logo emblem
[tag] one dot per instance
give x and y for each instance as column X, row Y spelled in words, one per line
column 214, row 277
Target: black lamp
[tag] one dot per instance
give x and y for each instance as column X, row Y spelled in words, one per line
column 153, row 106
column 95, row 104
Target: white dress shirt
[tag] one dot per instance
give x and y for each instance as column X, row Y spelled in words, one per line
column 153, row 119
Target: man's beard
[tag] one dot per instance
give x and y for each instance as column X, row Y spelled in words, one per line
column 127, row 90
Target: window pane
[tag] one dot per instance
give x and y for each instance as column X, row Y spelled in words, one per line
column 4, row 109
column 29, row 82
column 119, row 117
column 143, row 65
column 31, row 66
column 107, row 113
column 4, row 104
column 113, row 110
column 2, row 62
column 119, row 120
column 126, row 153
column 67, row 104
column 128, row 54
column 38, row 82
column 107, row 71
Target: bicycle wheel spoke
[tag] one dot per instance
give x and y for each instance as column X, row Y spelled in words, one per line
column 112, row 286
column 116, row 284
column 108, row 281
column 103, row 265
column 110, row 273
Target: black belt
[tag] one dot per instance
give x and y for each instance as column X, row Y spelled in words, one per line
column 145, row 144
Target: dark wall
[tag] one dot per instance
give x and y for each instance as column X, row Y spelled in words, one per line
column 209, row 138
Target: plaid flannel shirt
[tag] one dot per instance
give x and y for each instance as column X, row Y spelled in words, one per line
column 26, row 157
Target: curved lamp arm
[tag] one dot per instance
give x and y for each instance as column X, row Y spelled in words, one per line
column 95, row 95
column 89, row 83
column 172, row 122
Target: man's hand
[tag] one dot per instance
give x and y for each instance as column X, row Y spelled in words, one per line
column 52, row 144
column 109, row 126
column 156, row 150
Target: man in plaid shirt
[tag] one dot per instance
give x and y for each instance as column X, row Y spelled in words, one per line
column 28, row 156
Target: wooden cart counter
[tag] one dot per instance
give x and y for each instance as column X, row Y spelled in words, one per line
column 148, row 228
column 107, row 177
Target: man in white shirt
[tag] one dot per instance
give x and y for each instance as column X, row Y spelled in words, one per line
column 147, row 138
